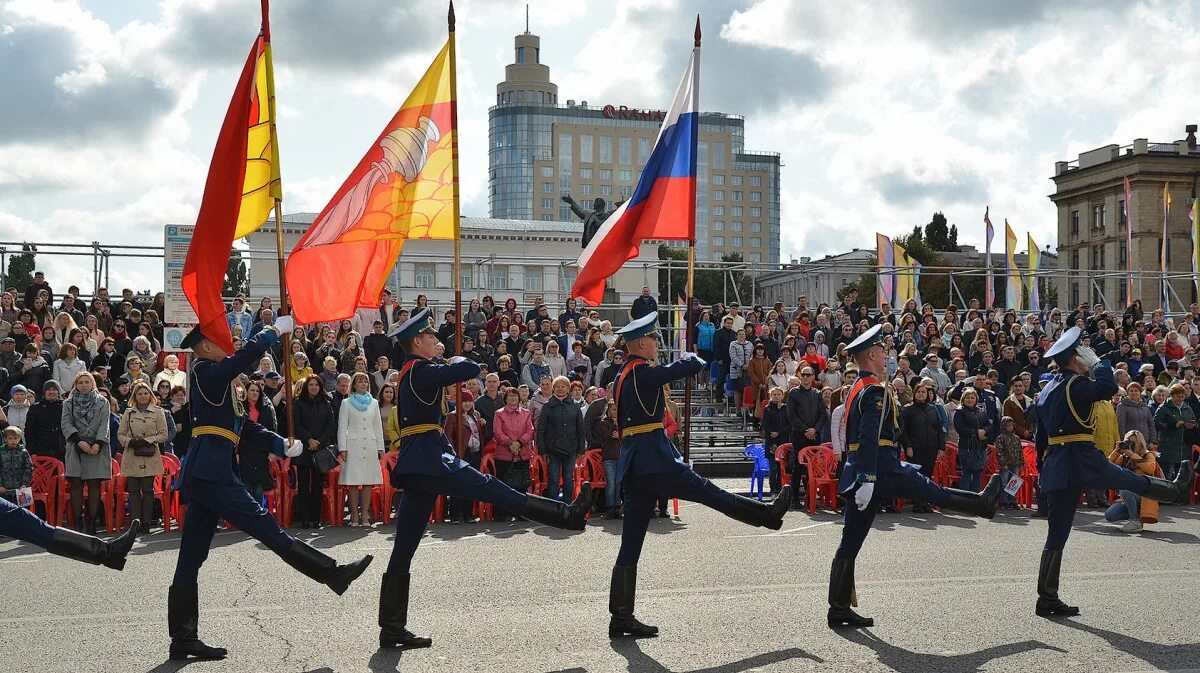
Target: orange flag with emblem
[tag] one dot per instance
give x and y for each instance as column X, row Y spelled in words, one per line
column 404, row 187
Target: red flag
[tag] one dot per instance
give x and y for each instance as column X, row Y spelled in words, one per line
column 208, row 254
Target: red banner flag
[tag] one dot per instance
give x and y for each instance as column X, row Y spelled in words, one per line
column 208, row 254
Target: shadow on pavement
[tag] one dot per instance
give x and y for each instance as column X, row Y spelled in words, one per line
column 907, row 661
column 640, row 662
column 907, row 519
column 1165, row 657
column 170, row 666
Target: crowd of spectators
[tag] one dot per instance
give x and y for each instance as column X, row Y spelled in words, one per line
column 964, row 375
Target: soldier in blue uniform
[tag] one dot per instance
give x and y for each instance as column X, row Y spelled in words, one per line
column 20, row 523
column 428, row 467
column 649, row 467
column 874, row 473
column 213, row 492
column 1073, row 463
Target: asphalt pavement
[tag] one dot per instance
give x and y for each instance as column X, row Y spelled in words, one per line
column 949, row 594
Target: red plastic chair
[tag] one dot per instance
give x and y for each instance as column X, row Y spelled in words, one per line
column 785, row 477
column 991, row 466
column 485, row 510
column 537, row 474
column 277, row 497
column 1028, row 474
column 47, row 485
column 822, row 479
column 945, row 470
column 333, row 500
column 109, row 489
column 387, row 493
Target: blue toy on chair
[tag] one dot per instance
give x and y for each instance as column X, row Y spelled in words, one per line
column 762, row 468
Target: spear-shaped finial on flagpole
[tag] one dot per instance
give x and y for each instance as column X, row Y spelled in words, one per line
column 450, row 16
column 697, row 30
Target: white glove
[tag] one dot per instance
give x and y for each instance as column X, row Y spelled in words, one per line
column 1088, row 357
column 284, row 323
column 862, row 497
column 457, row 359
column 294, row 449
column 688, row 355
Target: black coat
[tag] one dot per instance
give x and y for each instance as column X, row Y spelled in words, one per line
column 43, row 430
column 560, row 428
column 314, row 420
column 375, row 345
column 921, row 430
column 804, row 410
column 254, row 455
column 775, row 419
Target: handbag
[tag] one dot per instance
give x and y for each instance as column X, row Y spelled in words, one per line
column 142, row 448
column 324, row 460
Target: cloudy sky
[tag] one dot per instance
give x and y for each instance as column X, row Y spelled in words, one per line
column 109, row 108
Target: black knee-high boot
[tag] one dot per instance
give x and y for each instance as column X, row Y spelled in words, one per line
column 755, row 513
column 622, row 595
column 393, row 614
column 554, row 513
column 1048, row 603
column 841, row 590
column 1178, row 490
column 183, row 623
column 981, row 504
column 89, row 549
column 317, row 566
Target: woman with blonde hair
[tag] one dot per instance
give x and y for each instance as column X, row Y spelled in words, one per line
column 360, row 443
column 1133, row 454
column 85, row 427
column 142, row 433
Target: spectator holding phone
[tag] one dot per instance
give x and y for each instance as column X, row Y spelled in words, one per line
column 1173, row 420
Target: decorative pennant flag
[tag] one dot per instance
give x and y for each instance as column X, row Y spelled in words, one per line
column 234, row 191
column 885, row 262
column 916, row 281
column 1128, row 244
column 1035, row 259
column 1194, row 216
column 663, row 205
column 1165, row 248
column 1013, row 294
column 679, row 317
column 989, row 285
column 404, row 187
column 903, row 274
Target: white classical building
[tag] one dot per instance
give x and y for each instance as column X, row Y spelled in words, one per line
column 529, row 261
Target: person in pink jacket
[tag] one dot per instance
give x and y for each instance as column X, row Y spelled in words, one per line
column 512, row 429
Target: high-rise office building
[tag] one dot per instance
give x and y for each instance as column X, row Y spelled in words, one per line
column 540, row 150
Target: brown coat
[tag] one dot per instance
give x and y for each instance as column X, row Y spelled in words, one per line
column 150, row 425
column 1020, row 424
column 1147, row 466
column 759, row 371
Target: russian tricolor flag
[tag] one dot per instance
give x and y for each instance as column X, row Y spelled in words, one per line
column 663, row 205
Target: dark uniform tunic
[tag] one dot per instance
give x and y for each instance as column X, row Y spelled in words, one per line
column 428, row 465
column 873, row 456
column 1072, row 462
column 208, row 481
column 649, row 466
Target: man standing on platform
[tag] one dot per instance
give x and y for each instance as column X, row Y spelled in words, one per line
column 213, row 492
column 650, row 468
column 428, row 467
column 1072, row 463
column 874, row 473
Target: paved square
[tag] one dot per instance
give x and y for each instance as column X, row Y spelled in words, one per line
column 949, row 595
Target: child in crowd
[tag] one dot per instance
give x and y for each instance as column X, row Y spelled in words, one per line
column 16, row 466
column 1011, row 458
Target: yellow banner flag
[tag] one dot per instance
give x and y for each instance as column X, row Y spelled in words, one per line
column 261, row 186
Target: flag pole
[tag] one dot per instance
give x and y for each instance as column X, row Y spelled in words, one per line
column 284, row 308
column 454, row 210
column 691, row 268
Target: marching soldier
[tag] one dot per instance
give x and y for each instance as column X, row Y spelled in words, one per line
column 874, row 473
column 213, row 492
column 1073, row 463
column 428, row 467
column 650, row 468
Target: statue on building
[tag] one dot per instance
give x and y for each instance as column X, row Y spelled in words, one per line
column 592, row 219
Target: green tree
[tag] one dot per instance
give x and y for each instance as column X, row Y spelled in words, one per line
column 940, row 235
column 20, row 268
column 711, row 285
column 237, row 280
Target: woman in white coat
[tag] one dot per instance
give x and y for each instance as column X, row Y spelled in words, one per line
column 360, row 442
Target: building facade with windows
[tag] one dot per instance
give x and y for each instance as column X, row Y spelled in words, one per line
column 1094, row 262
column 540, row 150
column 527, row 260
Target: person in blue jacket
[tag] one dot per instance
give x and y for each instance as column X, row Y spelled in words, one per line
column 428, row 466
column 874, row 473
column 209, row 485
column 650, row 468
column 1072, row 462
